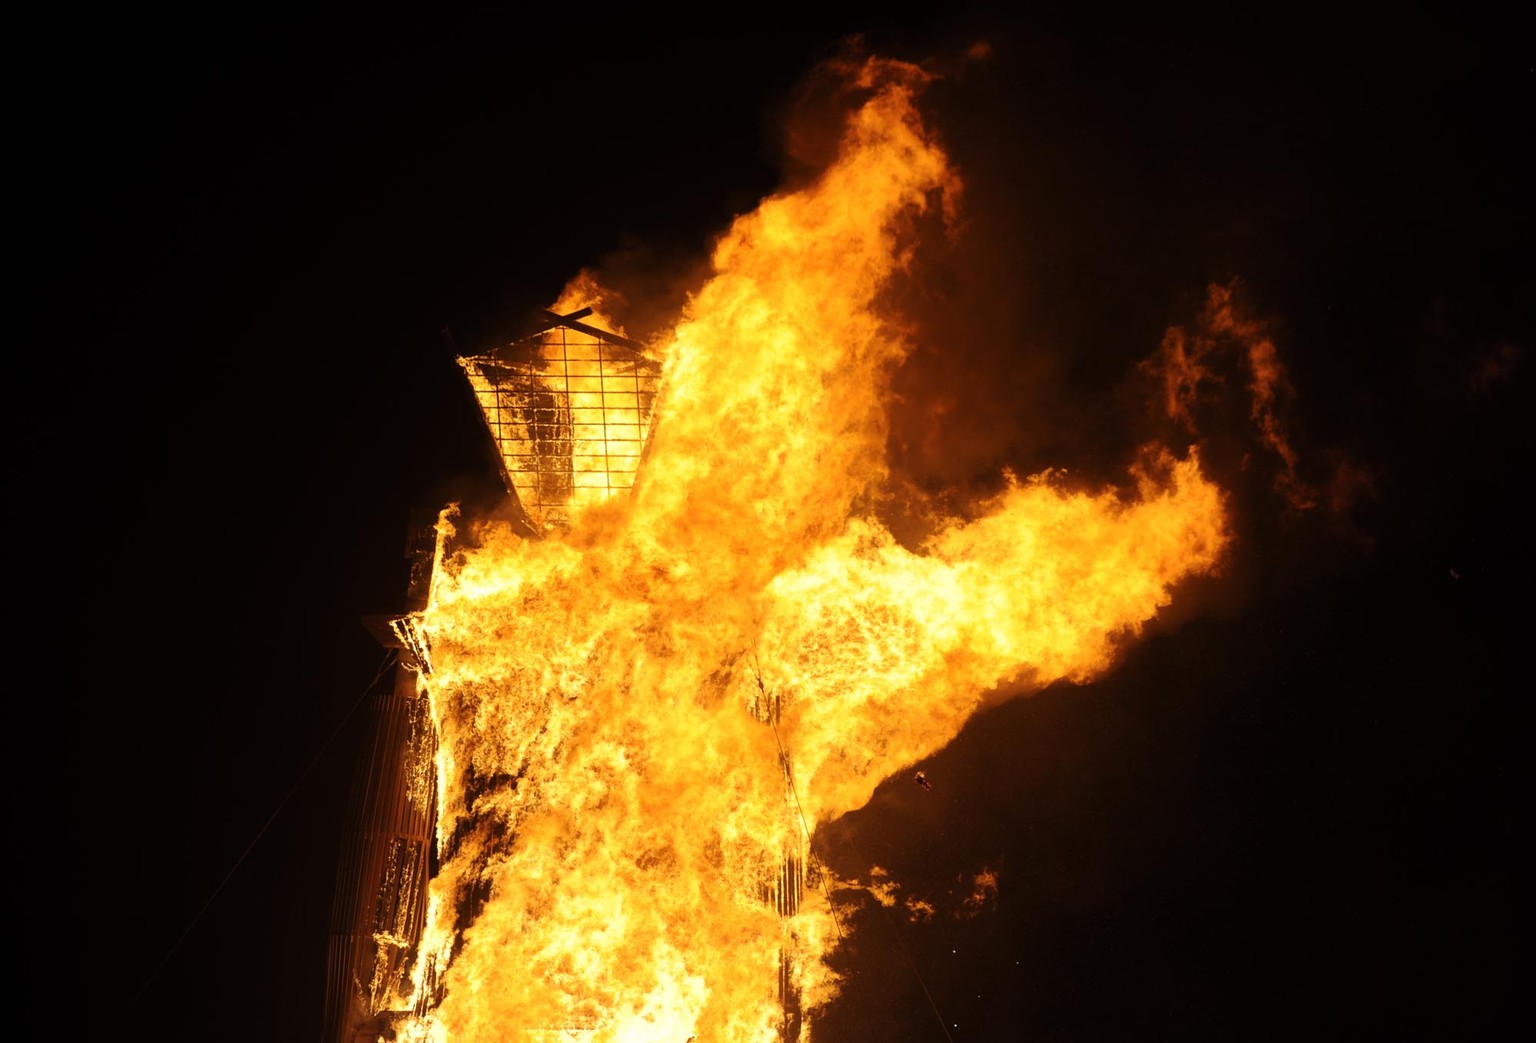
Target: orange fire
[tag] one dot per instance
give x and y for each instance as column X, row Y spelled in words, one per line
column 644, row 716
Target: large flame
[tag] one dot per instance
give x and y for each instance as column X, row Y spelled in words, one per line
column 645, row 716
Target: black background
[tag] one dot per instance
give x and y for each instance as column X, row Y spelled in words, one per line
column 1293, row 808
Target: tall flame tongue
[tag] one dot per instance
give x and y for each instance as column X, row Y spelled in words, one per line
column 644, row 717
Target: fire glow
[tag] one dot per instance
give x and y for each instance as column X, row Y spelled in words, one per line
column 644, row 716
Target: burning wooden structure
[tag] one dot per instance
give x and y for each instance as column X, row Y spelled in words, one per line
column 568, row 408
column 644, row 707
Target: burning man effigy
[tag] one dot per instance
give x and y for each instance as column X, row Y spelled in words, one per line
column 695, row 640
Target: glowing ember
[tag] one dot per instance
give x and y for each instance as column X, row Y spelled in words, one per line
column 644, row 716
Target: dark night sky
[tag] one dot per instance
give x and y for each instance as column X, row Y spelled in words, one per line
column 1293, row 809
